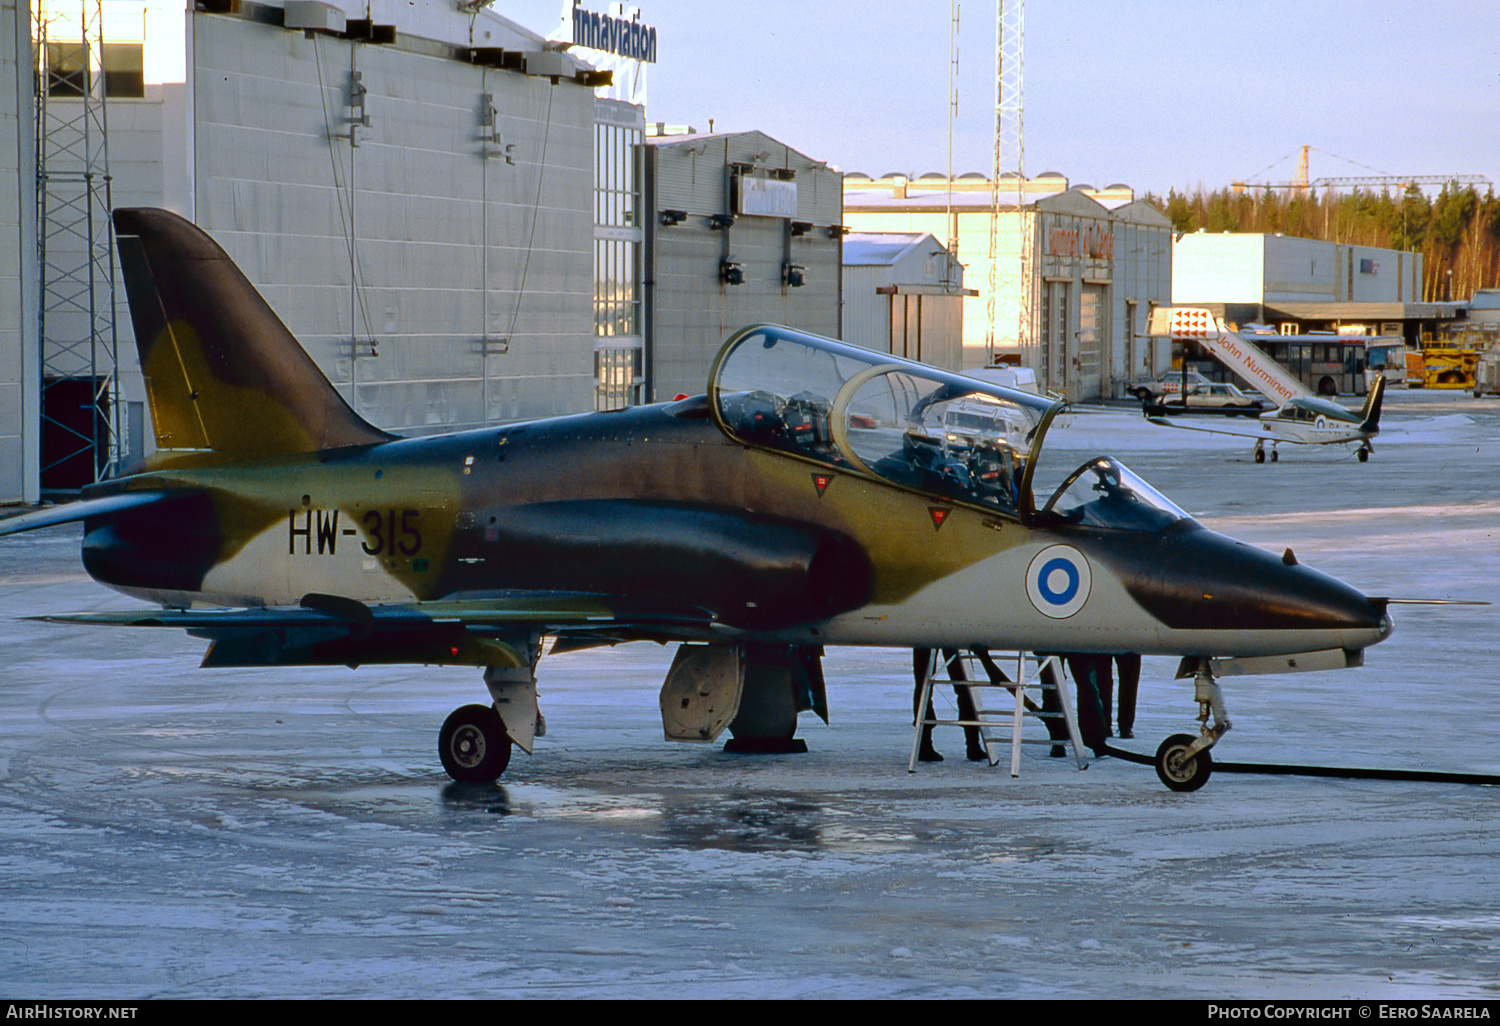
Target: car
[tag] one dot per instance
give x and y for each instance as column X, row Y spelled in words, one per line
column 969, row 422
column 1165, row 396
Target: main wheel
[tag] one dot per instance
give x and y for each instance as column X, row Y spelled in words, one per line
column 1260, row 455
column 1182, row 773
column 473, row 745
column 1364, row 455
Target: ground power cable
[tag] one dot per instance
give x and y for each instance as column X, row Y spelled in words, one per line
column 1345, row 772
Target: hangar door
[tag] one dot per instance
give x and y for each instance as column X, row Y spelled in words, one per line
column 1088, row 382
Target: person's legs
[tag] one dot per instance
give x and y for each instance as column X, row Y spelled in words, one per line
column 921, row 659
column 1130, row 679
column 973, row 742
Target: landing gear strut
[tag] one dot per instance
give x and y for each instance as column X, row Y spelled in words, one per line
column 475, row 741
column 1182, row 761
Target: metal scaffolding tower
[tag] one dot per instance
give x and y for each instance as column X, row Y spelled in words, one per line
column 81, row 406
column 1009, row 275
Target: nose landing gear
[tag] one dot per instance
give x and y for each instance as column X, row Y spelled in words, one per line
column 1182, row 761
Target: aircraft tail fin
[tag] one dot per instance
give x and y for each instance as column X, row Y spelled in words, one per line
column 1370, row 417
column 224, row 377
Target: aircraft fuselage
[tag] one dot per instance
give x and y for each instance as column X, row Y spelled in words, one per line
column 656, row 506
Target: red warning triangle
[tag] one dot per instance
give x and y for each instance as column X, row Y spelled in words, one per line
column 939, row 516
column 821, row 483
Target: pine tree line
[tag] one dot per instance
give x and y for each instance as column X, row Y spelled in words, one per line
column 1459, row 231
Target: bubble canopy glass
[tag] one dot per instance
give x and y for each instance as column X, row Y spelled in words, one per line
column 933, row 431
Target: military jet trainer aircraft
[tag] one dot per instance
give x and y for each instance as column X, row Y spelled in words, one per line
column 816, row 495
column 1300, row 417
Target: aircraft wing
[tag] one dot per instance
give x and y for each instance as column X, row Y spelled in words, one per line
column 1221, row 430
column 490, row 630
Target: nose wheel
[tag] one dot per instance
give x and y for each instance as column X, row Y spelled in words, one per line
column 1182, row 761
column 1180, row 767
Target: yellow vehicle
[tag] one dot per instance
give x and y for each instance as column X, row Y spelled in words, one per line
column 1448, row 366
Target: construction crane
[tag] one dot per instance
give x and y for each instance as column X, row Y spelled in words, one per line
column 1301, row 185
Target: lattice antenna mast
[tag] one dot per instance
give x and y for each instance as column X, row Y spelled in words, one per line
column 1009, row 271
column 76, row 320
column 953, row 13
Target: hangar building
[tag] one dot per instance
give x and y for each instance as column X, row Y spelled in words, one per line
column 1080, row 269
column 740, row 229
column 904, row 294
column 440, row 204
column 409, row 184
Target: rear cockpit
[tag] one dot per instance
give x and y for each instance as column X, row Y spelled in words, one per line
column 871, row 413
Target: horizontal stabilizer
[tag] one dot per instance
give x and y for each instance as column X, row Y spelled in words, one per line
column 74, row 511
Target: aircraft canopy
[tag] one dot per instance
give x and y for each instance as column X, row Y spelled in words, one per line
column 915, row 426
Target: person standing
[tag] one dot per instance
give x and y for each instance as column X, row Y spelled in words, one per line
column 973, row 742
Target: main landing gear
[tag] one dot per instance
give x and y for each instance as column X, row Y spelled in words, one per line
column 473, row 745
column 1182, row 761
column 1260, row 452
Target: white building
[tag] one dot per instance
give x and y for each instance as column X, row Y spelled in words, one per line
column 1299, row 285
column 1077, row 271
column 904, row 294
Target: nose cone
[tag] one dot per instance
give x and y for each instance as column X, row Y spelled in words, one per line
column 1199, row 580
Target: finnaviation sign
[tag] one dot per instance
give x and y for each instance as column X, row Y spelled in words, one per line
column 619, row 36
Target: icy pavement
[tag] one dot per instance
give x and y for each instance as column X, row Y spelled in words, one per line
column 173, row 832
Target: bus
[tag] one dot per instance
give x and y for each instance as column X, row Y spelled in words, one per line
column 1338, row 364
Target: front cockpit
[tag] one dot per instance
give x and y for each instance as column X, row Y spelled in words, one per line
column 1104, row 493
column 950, row 436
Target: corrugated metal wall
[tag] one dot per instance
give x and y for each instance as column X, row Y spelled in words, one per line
column 18, row 272
column 283, row 190
column 690, row 310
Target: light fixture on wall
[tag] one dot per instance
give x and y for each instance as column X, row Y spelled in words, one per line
column 731, row 273
column 670, row 217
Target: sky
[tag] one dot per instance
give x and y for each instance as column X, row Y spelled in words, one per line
column 1156, row 94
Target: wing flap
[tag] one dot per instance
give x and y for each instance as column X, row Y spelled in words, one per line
column 334, row 631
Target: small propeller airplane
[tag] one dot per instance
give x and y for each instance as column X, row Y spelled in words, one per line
column 1300, row 417
column 818, row 494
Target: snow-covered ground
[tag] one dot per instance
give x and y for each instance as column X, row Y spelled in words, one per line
column 173, row 832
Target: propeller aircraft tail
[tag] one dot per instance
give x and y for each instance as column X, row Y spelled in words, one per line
column 1369, row 419
column 225, row 379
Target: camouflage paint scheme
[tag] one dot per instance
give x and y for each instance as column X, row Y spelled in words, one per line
column 313, row 537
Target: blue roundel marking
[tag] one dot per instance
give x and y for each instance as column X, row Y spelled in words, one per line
column 1057, row 598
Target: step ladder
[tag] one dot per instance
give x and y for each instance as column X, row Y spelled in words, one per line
column 1029, row 676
